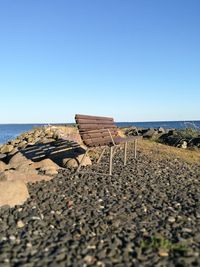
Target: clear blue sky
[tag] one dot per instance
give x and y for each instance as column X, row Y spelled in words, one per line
column 136, row 60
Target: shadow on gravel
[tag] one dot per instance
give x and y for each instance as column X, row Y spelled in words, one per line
column 56, row 151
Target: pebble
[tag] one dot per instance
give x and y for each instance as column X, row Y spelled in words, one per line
column 163, row 253
column 171, row 219
column 92, row 220
column 20, row 224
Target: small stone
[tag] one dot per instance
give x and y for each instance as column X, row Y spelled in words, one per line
column 12, row 237
column 171, row 219
column 89, row 259
column 163, row 253
column 187, row 230
column 29, row 245
column 20, row 224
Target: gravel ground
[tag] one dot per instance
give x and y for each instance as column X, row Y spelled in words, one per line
column 146, row 214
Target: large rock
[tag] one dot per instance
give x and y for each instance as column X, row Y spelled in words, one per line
column 19, row 159
column 161, row 130
column 3, row 166
column 150, row 133
column 13, row 193
column 47, row 166
column 195, row 142
column 2, row 156
column 74, row 162
column 6, row 149
column 13, row 175
column 26, row 169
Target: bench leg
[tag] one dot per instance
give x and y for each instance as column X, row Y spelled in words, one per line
column 125, row 153
column 82, row 160
column 99, row 159
column 135, row 149
column 111, row 158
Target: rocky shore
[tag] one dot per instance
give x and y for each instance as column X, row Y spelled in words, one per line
column 182, row 138
column 146, row 214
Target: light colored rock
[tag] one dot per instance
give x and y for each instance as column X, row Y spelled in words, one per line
column 171, row 219
column 2, row 156
column 87, row 161
column 70, row 163
column 20, row 224
column 74, row 162
column 22, row 144
column 19, row 159
column 13, row 175
column 3, row 166
column 163, row 253
column 6, row 148
column 26, row 169
column 13, row 193
column 14, row 151
column 50, row 171
column 184, row 145
column 46, row 164
column 161, row 130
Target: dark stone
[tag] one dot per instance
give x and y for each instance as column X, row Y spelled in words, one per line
column 150, row 133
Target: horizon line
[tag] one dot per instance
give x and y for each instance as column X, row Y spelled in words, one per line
column 42, row 123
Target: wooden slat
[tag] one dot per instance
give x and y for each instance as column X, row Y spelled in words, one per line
column 93, row 121
column 89, row 117
column 97, row 135
column 90, row 131
column 95, row 126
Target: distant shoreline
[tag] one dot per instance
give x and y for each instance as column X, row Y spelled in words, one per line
column 72, row 123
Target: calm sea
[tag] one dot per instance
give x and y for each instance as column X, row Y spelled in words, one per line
column 10, row 131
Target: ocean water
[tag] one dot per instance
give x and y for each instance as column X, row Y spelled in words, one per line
column 10, row 131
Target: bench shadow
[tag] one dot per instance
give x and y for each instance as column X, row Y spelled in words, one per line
column 56, row 151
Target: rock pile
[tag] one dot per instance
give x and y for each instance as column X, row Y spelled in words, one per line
column 183, row 138
column 30, row 157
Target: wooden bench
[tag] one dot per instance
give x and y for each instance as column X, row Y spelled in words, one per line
column 102, row 132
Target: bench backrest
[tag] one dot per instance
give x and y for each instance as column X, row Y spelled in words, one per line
column 94, row 130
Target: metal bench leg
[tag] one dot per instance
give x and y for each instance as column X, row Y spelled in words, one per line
column 99, row 159
column 111, row 158
column 125, row 152
column 82, row 160
column 135, row 149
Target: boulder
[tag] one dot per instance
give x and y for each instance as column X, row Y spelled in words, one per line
column 19, row 159
column 150, row 133
column 74, row 162
column 14, row 151
column 2, row 156
column 70, row 163
column 3, row 166
column 13, row 193
column 13, row 175
column 184, row 145
column 26, row 169
column 47, row 166
column 22, row 144
column 195, row 142
column 161, row 130
column 6, row 148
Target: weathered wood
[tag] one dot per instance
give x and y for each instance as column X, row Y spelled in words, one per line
column 79, row 116
column 86, row 135
column 95, row 126
column 86, row 121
